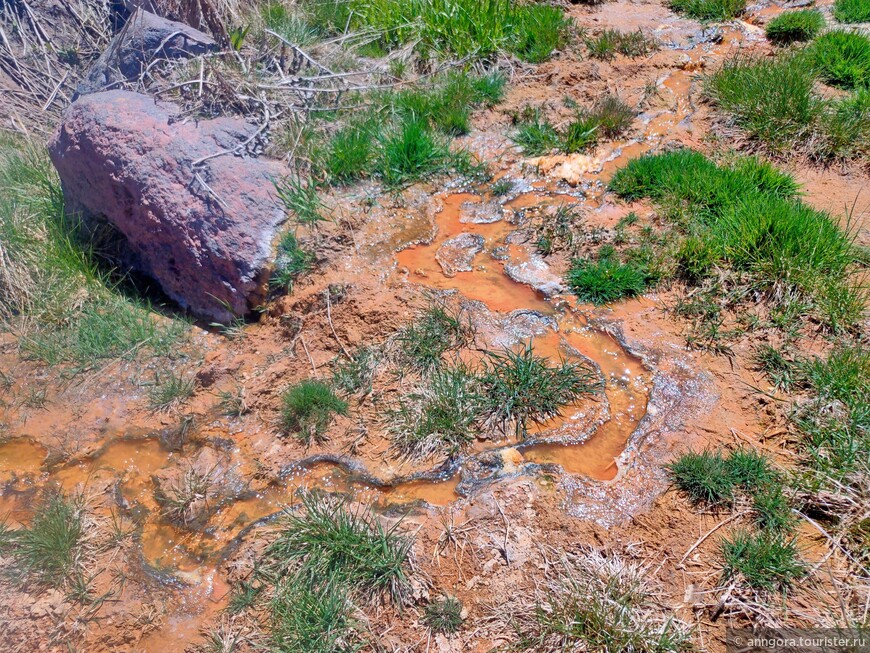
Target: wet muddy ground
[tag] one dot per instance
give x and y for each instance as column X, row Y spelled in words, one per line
column 594, row 474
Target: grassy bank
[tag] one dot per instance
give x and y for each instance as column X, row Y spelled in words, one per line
column 744, row 218
column 777, row 100
column 57, row 290
column 444, row 28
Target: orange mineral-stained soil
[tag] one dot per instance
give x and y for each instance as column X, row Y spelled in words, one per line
column 490, row 523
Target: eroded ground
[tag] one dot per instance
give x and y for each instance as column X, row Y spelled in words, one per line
column 489, row 524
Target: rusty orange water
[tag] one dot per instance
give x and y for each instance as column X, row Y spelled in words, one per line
column 20, row 457
column 626, row 382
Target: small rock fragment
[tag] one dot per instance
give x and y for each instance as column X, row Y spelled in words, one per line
column 457, row 253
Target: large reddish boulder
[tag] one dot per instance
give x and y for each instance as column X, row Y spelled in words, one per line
column 202, row 227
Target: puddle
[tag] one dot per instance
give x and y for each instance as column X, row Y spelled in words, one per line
column 20, row 457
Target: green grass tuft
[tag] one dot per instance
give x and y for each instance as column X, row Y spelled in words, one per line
column 404, row 135
column 170, row 390
column 348, row 155
column 410, row 152
column 843, row 58
column 331, row 543
column 291, row 262
column 703, row 477
column 610, row 42
column 535, row 135
column 836, row 424
column 605, row 280
column 436, row 331
column 709, row 10
column 48, row 550
column 538, row 31
column 747, row 215
column 443, row 615
column 519, row 387
column 764, row 561
column 793, row 26
column 608, row 118
column 301, row 199
column 750, row 470
column 315, row 618
column 771, row 98
column 307, row 409
column 773, row 510
column 775, row 101
column 440, row 417
column 852, row 11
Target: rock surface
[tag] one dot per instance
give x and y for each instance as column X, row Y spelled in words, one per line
column 204, row 232
column 457, row 254
column 567, row 167
column 480, row 212
column 537, row 274
column 145, row 37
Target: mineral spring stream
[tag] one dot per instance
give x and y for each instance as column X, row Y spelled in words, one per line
column 580, row 446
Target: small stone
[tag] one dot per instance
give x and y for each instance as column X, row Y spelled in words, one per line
column 457, row 253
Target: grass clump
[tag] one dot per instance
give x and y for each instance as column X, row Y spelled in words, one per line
column 355, row 375
column 326, row 559
column 605, row 280
column 836, row 424
column 440, row 417
column 601, row 603
column 422, row 344
column 775, row 101
column 307, row 409
column 852, row 11
column 405, row 135
column 48, row 550
column 748, row 215
column 703, row 477
column 410, row 152
column 464, row 28
column 772, row 99
column 443, row 615
column 350, row 549
column 291, row 262
column 301, row 199
column 519, row 388
column 447, row 106
column 170, row 390
column 842, row 58
column 534, row 134
column 765, row 561
column 794, row 26
column 315, row 618
column 539, row 31
column 709, row 10
column 711, row 478
column 610, row 42
column 750, row 470
column 608, row 118
column 773, row 510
